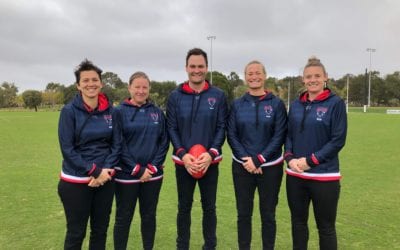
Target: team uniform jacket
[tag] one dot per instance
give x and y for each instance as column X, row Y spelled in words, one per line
column 317, row 130
column 257, row 128
column 89, row 139
column 196, row 118
column 145, row 142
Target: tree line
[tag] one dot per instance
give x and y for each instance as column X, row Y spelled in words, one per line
column 385, row 91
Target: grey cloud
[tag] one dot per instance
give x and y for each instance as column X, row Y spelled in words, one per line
column 42, row 41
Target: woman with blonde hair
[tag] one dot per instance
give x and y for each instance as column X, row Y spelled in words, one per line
column 256, row 132
column 139, row 177
column 316, row 133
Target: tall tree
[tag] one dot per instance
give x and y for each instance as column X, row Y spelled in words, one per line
column 393, row 87
column 53, row 87
column 271, row 85
column 379, row 92
column 69, row 92
column 357, row 90
column 290, row 85
column 159, row 92
column 113, row 80
column 8, row 94
column 32, row 98
column 221, row 81
column 53, row 94
column 234, row 79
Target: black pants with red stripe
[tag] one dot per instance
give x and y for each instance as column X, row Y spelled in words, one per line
column 268, row 185
column 126, row 197
column 82, row 202
column 208, row 192
column 324, row 196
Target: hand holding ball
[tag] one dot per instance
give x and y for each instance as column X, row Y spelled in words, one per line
column 196, row 151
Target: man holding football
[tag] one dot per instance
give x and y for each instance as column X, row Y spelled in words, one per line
column 196, row 114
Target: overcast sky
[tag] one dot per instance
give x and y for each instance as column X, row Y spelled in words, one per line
column 42, row 41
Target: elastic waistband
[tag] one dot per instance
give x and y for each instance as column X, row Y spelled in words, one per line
column 74, row 179
column 314, row 176
column 125, row 181
column 266, row 164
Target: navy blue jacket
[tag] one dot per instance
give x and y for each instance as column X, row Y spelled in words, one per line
column 196, row 118
column 89, row 139
column 257, row 128
column 145, row 141
column 317, row 130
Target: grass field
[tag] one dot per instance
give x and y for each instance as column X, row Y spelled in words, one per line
column 31, row 215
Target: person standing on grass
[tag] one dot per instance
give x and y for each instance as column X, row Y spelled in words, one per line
column 196, row 114
column 90, row 145
column 257, row 127
column 145, row 145
column 316, row 133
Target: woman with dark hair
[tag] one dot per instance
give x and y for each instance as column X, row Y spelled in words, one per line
column 316, row 133
column 90, row 145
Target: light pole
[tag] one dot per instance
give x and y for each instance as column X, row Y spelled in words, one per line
column 288, row 96
column 370, row 50
column 347, row 97
column 211, row 38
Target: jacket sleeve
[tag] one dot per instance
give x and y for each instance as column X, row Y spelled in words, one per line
column 278, row 138
column 288, row 153
column 66, row 137
column 130, row 165
column 337, row 140
column 220, row 129
column 163, row 143
column 232, row 135
column 172, row 126
column 112, row 159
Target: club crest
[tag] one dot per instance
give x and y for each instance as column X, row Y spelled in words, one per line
column 108, row 119
column 321, row 111
column 155, row 117
column 268, row 110
column 211, row 102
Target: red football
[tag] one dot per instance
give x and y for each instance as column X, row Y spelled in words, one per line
column 196, row 150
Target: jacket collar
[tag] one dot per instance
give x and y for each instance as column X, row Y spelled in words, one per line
column 187, row 89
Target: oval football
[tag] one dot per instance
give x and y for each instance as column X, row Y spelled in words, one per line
column 196, row 150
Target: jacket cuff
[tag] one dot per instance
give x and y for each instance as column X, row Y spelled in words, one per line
column 141, row 172
column 288, row 157
column 180, row 152
column 94, row 171
column 152, row 168
column 258, row 160
column 312, row 161
column 135, row 170
column 213, row 153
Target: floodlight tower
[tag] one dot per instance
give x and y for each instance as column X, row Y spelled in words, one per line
column 211, row 38
column 370, row 50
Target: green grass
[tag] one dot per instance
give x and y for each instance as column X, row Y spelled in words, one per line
column 381, row 110
column 31, row 214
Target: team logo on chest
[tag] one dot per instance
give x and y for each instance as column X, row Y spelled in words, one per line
column 155, row 117
column 211, row 102
column 268, row 110
column 108, row 119
column 321, row 111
